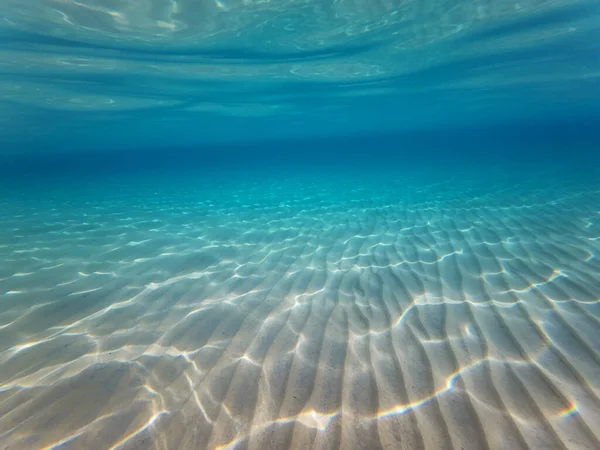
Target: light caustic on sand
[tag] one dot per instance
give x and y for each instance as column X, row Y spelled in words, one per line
column 315, row 325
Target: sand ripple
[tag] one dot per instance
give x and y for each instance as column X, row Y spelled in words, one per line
column 287, row 316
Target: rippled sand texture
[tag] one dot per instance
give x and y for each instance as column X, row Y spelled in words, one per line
column 402, row 314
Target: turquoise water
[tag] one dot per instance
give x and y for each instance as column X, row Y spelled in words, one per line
column 299, row 224
column 102, row 75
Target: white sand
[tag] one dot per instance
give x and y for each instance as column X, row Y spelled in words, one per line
column 384, row 325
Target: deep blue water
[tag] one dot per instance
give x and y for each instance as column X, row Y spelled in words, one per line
column 347, row 224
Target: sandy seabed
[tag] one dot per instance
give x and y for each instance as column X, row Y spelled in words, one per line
column 303, row 314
